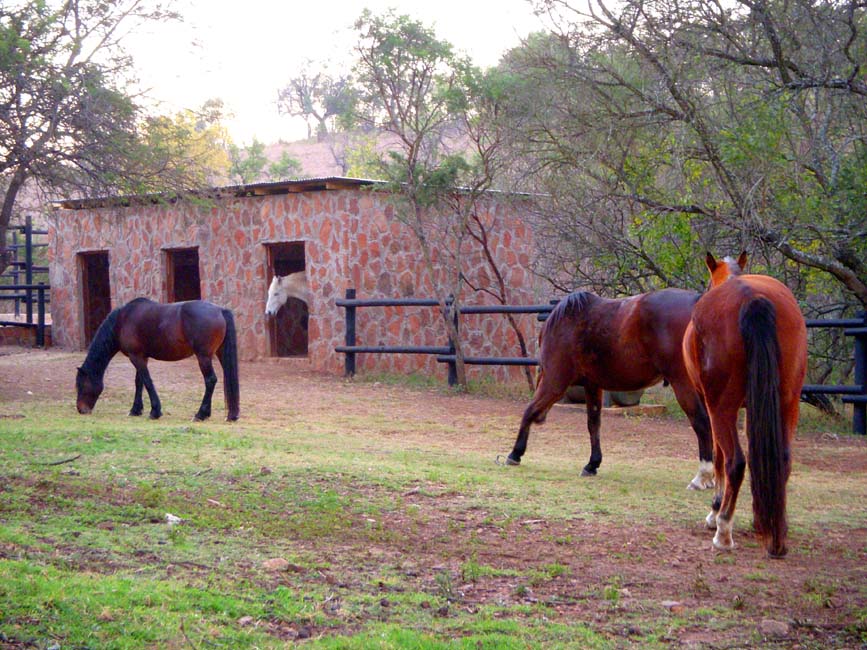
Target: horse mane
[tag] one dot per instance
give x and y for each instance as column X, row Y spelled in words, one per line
column 569, row 307
column 103, row 346
column 734, row 266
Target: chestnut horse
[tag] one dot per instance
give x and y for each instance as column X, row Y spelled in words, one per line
column 618, row 345
column 746, row 345
column 144, row 329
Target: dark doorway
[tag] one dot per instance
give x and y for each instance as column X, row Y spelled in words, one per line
column 288, row 329
column 95, row 291
column 182, row 275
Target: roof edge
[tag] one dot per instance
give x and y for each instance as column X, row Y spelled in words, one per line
column 252, row 189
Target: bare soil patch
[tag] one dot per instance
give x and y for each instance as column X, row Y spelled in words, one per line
column 615, row 578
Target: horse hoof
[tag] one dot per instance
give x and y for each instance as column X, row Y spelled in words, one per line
column 134, row 414
column 155, row 416
column 231, row 418
column 720, row 546
column 512, row 461
column 588, row 472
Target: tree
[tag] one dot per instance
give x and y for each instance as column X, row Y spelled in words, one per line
column 67, row 122
column 285, row 167
column 700, row 124
column 192, row 136
column 319, row 98
column 410, row 86
column 247, row 164
column 327, row 104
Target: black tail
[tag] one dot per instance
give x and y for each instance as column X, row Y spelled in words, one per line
column 229, row 361
column 768, row 446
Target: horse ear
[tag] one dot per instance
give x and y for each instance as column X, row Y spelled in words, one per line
column 742, row 260
column 710, row 261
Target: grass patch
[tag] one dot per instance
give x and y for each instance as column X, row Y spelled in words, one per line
column 396, row 529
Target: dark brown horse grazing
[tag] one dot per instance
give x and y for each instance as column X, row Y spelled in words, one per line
column 143, row 329
column 617, row 345
column 747, row 346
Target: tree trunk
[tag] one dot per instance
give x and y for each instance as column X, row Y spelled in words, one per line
column 6, row 212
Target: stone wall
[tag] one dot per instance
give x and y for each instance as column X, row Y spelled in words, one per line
column 352, row 239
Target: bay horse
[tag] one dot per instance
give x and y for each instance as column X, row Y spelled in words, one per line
column 617, row 345
column 746, row 346
column 143, row 329
column 284, row 287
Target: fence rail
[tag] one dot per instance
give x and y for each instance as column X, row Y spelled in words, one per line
column 41, row 291
column 855, row 394
column 25, row 267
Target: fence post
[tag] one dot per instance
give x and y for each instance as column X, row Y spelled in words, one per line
column 453, row 366
column 859, row 412
column 28, row 265
column 349, row 358
column 40, row 321
column 15, row 270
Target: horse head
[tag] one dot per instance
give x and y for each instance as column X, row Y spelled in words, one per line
column 284, row 287
column 722, row 270
column 89, row 389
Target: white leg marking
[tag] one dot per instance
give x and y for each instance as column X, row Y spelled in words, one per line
column 711, row 520
column 723, row 538
column 704, row 478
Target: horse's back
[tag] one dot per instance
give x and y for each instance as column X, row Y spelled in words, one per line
column 663, row 319
column 715, row 341
column 791, row 328
column 617, row 344
column 170, row 332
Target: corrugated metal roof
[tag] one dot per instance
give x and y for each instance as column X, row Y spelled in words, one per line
column 253, row 189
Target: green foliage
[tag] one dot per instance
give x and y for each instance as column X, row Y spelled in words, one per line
column 284, row 168
column 247, row 164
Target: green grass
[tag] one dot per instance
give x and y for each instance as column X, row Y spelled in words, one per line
column 399, row 532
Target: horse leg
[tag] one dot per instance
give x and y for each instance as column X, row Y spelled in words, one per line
column 551, row 388
column 593, row 399
column 725, row 433
column 137, row 403
column 720, row 482
column 206, row 365
column 693, row 405
column 141, row 368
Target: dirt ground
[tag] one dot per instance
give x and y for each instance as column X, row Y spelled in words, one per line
column 816, row 597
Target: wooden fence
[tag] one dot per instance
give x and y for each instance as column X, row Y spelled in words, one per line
column 855, row 394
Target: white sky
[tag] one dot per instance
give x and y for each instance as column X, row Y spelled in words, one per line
column 244, row 52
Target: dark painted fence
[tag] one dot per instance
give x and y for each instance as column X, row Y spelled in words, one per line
column 855, row 394
column 41, row 300
column 22, row 271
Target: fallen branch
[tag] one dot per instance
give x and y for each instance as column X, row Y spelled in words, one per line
column 60, row 462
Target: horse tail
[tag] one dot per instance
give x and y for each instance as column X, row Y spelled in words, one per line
column 229, row 361
column 768, row 446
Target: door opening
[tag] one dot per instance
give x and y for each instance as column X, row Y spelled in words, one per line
column 182, row 275
column 95, row 291
column 287, row 330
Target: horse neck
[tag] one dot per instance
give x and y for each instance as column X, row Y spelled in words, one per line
column 103, row 347
column 296, row 286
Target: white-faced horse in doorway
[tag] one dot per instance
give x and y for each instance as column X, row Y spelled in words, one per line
column 284, row 287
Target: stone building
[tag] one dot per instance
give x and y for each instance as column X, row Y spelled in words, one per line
column 343, row 232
